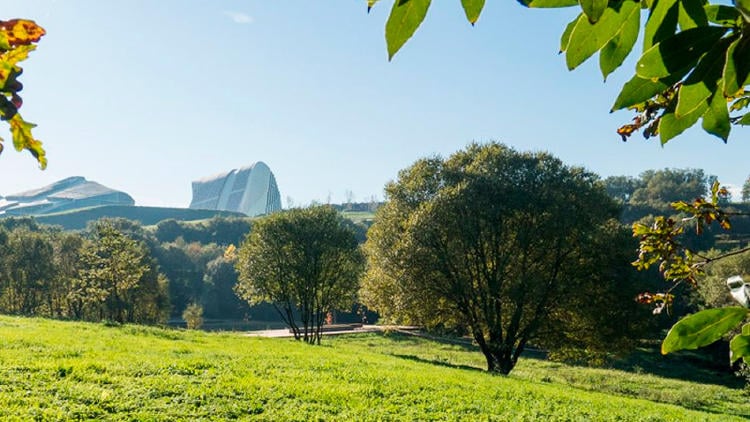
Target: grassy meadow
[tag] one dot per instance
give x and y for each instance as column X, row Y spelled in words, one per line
column 54, row 370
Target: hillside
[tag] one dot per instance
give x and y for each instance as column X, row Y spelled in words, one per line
column 56, row 370
column 77, row 219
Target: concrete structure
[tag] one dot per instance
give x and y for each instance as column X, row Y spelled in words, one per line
column 251, row 190
column 64, row 195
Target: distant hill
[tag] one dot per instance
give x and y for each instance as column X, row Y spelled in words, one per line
column 77, row 219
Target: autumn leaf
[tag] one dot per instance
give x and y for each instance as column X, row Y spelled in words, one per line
column 17, row 32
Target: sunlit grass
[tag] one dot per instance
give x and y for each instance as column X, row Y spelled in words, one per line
column 61, row 370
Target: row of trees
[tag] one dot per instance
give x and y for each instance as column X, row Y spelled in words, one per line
column 118, row 270
column 511, row 248
column 104, row 275
column 656, row 189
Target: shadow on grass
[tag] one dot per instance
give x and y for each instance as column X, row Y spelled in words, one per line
column 700, row 366
column 437, row 362
column 463, row 342
column 415, row 336
column 706, row 367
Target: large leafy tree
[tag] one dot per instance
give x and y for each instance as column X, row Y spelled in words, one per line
column 306, row 262
column 694, row 64
column 496, row 241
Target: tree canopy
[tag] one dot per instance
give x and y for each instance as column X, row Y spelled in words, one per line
column 693, row 66
column 498, row 242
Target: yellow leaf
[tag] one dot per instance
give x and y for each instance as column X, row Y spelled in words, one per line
column 23, row 139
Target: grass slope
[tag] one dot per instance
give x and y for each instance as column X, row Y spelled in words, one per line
column 77, row 219
column 54, row 370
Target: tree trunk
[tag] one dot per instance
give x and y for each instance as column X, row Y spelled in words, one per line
column 500, row 358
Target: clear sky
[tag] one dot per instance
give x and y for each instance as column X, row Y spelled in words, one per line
column 145, row 96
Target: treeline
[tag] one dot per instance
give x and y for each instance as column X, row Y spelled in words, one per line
column 120, row 271
column 652, row 192
column 100, row 275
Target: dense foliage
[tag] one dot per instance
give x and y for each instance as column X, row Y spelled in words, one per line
column 513, row 247
column 117, row 270
column 106, row 275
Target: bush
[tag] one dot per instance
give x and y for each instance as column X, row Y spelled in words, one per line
column 193, row 316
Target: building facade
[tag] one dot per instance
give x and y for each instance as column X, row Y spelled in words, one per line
column 251, row 190
column 64, row 195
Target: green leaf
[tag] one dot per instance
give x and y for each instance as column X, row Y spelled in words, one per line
column 586, row 38
column 405, row 18
column 370, row 4
column 745, row 120
column 593, row 9
column 565, row 38
column 472, row 8
column 740, row 103
column 618, row 48
column 722, row 15
column 661, row 24
column 701, row 83
column 702, row 328
column 638, row 90
column 739, row 347
column 670, row 125
column 737, row 67
column 691, row 14
column 743, row 6
column 746, row 330
column 678, row 52
column 544, row 4
column 716, row 118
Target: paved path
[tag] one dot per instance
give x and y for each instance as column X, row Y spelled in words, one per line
column 364, row 329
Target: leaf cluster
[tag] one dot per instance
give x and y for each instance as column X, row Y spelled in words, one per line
column 17, row 40
column 694, row 66
column 659, row 243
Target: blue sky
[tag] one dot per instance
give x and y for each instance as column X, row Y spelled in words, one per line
column 146, row 96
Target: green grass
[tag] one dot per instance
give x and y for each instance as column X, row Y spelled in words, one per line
column 52, row 370
column 358, row 216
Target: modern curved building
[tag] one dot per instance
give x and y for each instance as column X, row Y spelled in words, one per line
column 251, row 190
column 64, row 195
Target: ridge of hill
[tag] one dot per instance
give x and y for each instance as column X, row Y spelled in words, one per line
column 77, row 219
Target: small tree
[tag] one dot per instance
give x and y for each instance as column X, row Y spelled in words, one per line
column 193, row 316
column 306, row 262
